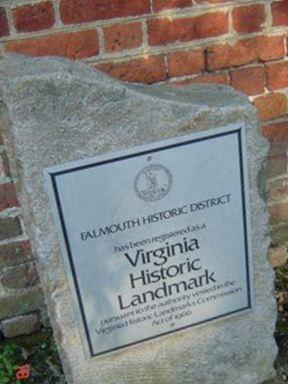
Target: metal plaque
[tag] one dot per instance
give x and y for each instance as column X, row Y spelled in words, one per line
column 155, row 239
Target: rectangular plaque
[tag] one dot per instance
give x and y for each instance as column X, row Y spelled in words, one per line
column 155, row 238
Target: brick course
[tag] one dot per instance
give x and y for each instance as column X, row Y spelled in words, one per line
column 36, row 17
column 249, row 80
column 280, row 12
column 78, row 11
column 145, row 70
column 278, row 188
column 271, row 106
column 186, row 62
column 119, row 37
column 277, row 75
column 14, row 253
column 248, row 18
column 262, row 48
column 165, row 31
column 74, row 45
column 219, row 78
column 10, row 227
column 4, row 165
column 20, row 276
column 4, row 27
column 160, row 5
column 277, row 132
column 8, row 196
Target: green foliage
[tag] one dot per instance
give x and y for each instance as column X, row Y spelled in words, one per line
column 39, row 351
column 8, row 364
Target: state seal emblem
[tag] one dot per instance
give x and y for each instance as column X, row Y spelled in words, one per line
column 153, row 182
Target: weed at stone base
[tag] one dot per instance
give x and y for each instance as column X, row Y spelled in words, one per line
column 39, row 351
column 8, row 364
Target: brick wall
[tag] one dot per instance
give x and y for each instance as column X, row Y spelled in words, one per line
column 240, row 43
column 21, row 298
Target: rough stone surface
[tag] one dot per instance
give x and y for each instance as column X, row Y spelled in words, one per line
column 44, row 318
column 58, row 111
column 21, row 325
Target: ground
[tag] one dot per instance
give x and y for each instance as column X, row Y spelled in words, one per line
column 39, row 350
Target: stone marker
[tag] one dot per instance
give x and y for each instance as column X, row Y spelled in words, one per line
column 191, row 192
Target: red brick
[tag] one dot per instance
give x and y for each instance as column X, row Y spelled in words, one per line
column 280, row 12
column 210, row 1
column 250, row 80
column 248, row 18
column 278, row 256
column 143, row 70
column 10, row 227
column 30, row 18
column 276, row 133
column 277, row 75
column 164, row 31
column 80, row 11
column 8, row 196
column 20, row 276
column 277, row 147
column 20, row 302
column 278, row 213
column 160, row 5
column 279, row 234
column 222, row 78
column 262, row 48
column 122, row 36
column 225, row 56
column 278, row 189
column 4, row 165
column 270, row 47
column 186, row 62
column 15, row 253
column 276, row 165
column 271, row 106
column 215, row 78
column 4, row 27
column 74, row 45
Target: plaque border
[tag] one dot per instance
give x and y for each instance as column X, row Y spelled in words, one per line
column 52, row 174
